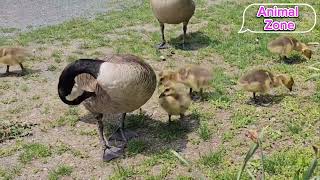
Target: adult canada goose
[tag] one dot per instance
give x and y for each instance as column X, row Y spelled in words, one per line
column 174, row 99
column 284, row 45
column 117, row 84
column 262, row 81
column 13, row 56
column 173, row 12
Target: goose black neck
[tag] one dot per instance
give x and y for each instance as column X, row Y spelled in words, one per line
column 66, row 80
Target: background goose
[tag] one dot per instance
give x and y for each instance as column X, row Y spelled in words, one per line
column 117, row 84
column 173, row 12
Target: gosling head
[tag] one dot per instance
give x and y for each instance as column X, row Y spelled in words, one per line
column 168, row 91
column 288, row 82
column 165, row 77
column 307, row 53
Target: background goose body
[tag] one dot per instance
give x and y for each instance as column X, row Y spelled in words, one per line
column 173, row 11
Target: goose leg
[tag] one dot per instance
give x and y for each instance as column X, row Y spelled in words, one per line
column 185, row 26
column 255, row 97
column 121, row 133
column 109, row 152
column 162, row 45
column 181, row 116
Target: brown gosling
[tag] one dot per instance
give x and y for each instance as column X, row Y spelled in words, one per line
column 174, row 99
column 195, row 77
column 261, row 81
column 284, row 45
column 13, row 56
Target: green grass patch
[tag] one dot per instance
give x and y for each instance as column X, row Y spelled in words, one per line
column 212, row 159
column 71, row 117
column 34, row 151
column 136, row 146
column 63, row 170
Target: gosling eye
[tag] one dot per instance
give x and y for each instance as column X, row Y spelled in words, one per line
column 166, row 90
column 161, row 79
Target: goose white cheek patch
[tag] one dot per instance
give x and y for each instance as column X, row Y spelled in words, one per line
column 76, row 92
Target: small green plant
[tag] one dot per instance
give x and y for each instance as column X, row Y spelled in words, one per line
column 122, row 173
column 63, row 170
column 52, row 67
column 257, row 139
column 213, row 158
column 34, row 151
column 204, row 131
column 57, row 55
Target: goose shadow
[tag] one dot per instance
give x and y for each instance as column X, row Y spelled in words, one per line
column 155, row 135
column 267, row 100
column 19, row 73
column 194, row 41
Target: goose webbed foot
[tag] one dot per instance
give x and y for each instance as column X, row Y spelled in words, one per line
column 162, row 45
column 111, row 152
column 122, row 135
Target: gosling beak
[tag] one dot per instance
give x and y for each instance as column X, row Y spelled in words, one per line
column 290, row 89
column 161, row 95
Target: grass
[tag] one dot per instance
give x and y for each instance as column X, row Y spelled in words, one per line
column 136, row 147
column 60, row 171
column 34, row 151
column 213, row 158
column 71, row 117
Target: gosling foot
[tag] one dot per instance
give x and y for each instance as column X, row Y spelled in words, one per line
column 162, row 45
column 112, row 153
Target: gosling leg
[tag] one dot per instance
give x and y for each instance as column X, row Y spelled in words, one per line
column 7, row 71
column 255, row 97
column 109, row 152
column 181, row 116
column 23, row 70
column 162, row 45
column 121, row 134
column 169, row 120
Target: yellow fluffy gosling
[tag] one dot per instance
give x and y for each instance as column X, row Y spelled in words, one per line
column 284, row 45
column 174, row 99
column 193, row 76
column 261, row 81
column 13, row 56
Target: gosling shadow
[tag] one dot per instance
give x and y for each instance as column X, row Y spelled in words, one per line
column 194, row 41
column 19, row 73
column 267, row 100
column 294, row 59
column 160, row 135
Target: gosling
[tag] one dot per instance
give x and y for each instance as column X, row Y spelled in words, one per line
column 285, row 45
column 262, row 81
column 13, row 56
column 174, row 99
column 195, row 77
